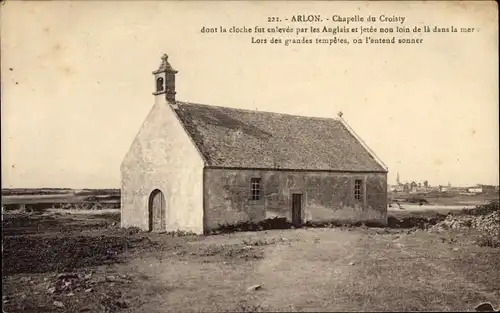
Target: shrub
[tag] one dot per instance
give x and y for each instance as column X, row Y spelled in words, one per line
column 485, row 209
column 489, row 240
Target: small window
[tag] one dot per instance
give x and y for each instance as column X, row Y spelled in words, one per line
column 255, row 188
column 159, row 84
column 357, row 189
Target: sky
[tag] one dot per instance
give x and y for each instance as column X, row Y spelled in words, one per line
column 77, row 83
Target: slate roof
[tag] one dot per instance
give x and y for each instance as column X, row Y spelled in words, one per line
column 236, row 138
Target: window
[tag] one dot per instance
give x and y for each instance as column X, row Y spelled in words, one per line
column 159, row 84
column 357, row 189
column 255, row 188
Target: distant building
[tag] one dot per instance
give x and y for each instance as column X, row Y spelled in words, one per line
column 477, row 189
column 422, row 190
column 489, row 188
column 396, row 188
column 443, row 188
column 413, row 187
column 434, row 189
column 458, row 189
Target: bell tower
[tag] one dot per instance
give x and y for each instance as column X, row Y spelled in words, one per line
column 165, row 81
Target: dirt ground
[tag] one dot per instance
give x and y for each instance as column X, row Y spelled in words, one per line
column 70, row 261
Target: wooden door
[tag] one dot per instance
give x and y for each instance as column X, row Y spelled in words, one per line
column 296, row 209
column 157, row 211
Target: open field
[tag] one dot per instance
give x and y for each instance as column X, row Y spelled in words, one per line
column 54, row 199
column 80, row 261
column 49, row 196
column 446, row 199
column 111, row 196
column 57, row 191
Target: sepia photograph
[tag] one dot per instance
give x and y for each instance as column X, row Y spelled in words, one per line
column 250, row 156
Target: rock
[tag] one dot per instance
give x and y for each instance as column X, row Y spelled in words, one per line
column 67, row 284
column 67, row 276
column 88, row 290
column 254, row 287
column 51, row 290
column 58, row 304
column 70, row 294
column 121, row 304
column 111, row 277
column 351, row 263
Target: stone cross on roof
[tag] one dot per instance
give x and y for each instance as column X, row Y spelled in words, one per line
column 164, row 64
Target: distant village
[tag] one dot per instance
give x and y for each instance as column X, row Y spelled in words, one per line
column 425, row 187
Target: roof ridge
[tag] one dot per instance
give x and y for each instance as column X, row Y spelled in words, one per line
column 259, row 111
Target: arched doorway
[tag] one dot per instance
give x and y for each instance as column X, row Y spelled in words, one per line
column 156, row 211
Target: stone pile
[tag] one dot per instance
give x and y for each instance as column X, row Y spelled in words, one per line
column 66, row 286
column 68, row 283
column 485, row 223
column 485, row 218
